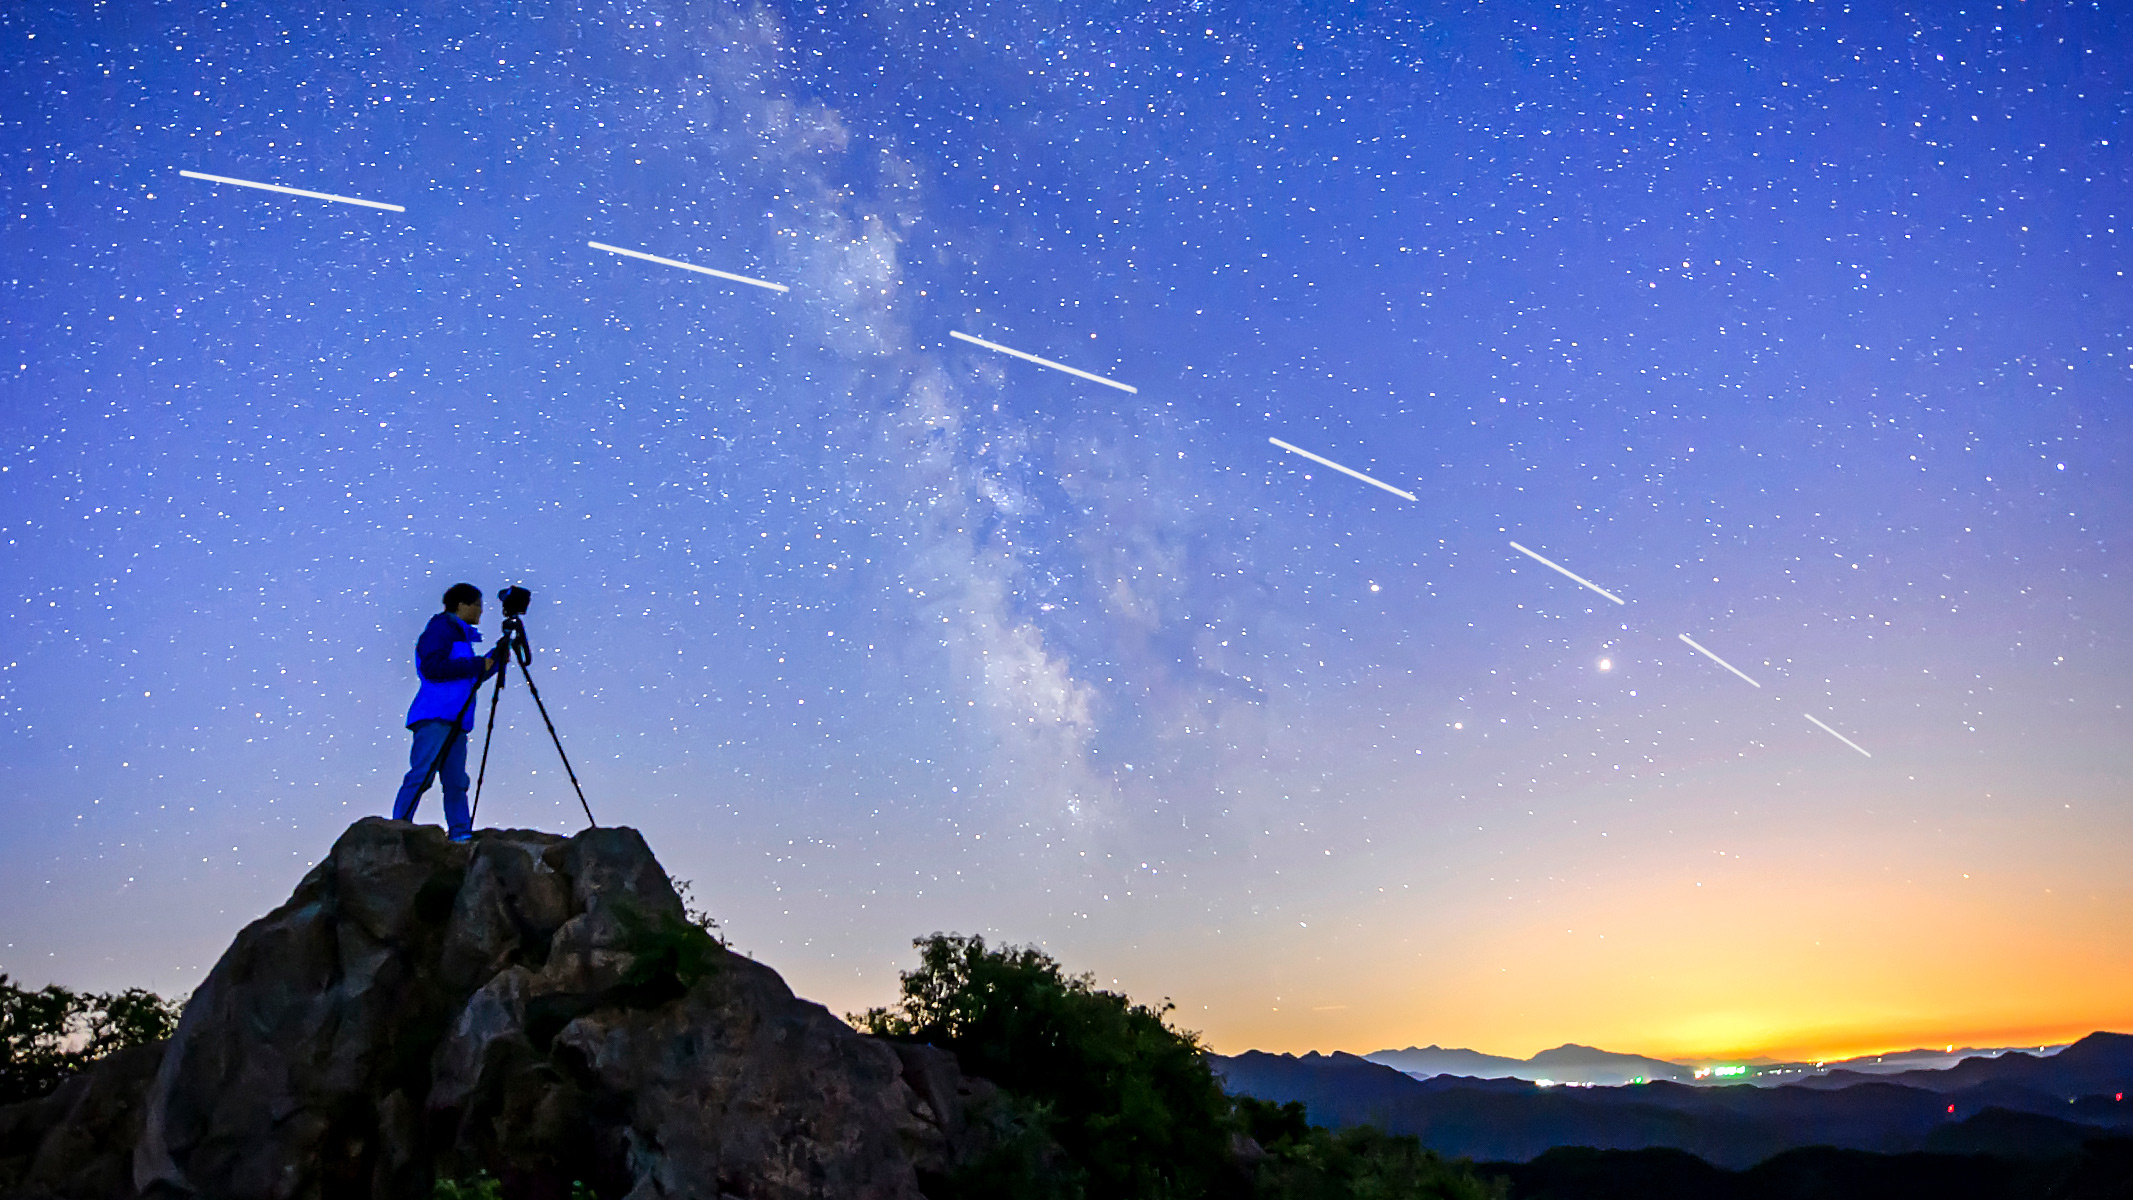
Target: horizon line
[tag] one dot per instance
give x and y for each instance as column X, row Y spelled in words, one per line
column 2059, row 1039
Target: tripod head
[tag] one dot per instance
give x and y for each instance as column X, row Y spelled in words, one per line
column 515, row 601
column 513, row 637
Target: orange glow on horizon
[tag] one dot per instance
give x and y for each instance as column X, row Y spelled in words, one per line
column 1807, row 1048
column 1868, row 1046
column 1807, row 953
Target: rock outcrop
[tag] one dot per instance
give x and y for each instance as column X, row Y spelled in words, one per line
column 528, row 1005
column 78, row 1141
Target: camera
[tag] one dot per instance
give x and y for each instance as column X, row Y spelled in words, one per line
column 514, row 600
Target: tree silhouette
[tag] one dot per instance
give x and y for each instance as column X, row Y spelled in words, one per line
column 50, row 1034
column 1130, row 1100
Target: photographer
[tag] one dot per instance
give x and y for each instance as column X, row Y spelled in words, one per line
column 443, row 712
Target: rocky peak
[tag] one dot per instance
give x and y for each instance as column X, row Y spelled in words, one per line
column 531, row 1005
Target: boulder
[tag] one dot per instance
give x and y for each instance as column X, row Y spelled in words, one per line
column 77, row 1143
column 532, row 1006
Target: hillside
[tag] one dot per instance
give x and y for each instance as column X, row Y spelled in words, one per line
column 2061, row 1100
column 531, row 1017
column 535, row 1007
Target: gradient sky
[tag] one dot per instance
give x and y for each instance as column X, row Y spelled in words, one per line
column 1800, row 327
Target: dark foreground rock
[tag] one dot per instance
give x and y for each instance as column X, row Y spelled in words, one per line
column 2098, row 1169
column 529, row 1005
column 79, row 1140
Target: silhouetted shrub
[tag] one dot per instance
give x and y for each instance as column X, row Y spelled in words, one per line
column 1307, row 1162
column 1129, row 1099
column 51, row 1033
column 695, row 915
column 480, row 1186
column 669, row 950
column 1024, row 1161
column 484, row 1186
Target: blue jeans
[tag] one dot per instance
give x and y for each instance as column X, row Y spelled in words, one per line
column 429, row 739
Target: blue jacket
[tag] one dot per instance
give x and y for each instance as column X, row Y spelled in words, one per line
column 450, row 671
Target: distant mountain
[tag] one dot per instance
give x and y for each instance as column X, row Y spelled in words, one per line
column 1928, row 1059
column 1584, row 1064
column 1564, row 1064
column 2096, row 1063
column 1425, row 1061
column 2080, row 1089
column 1575, row 1064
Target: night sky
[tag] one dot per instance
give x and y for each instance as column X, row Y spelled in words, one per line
column 1801, row 328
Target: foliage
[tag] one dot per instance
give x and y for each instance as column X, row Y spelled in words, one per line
column 1022, row 1162
column 480, row 1186
column 49, row 1034
column 484, row 1186
column 134, row 1017
column 1307, row 1162
column 1130, row 1099
column 1272, row 1125
column 35, row 1029
column 666, row 947
column 697, row 916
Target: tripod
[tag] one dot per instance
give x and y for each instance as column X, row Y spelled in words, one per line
column 514, row 638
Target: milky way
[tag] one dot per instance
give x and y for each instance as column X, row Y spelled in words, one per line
column 1800, row 331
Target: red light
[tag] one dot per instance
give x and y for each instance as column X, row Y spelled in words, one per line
column 2119, row 1096
column 1951, row 1109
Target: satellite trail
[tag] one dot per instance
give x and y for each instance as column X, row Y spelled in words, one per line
column 1840, row 737
column 669, row 262
column 290, row 191
column 1042, row 362
column 1720, row 661
column 1344, row 470
column 1566, row 571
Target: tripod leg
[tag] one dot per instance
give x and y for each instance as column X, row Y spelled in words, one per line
column 501, row 673
column 558, row 740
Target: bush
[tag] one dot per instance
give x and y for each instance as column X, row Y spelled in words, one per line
column 1306, row 1162
column 1022, row 1160
column 479, row 1186
column 483, row 1186
column 1130, row 1099
column 670, row 952
column 696, row 916
column 49, row 1034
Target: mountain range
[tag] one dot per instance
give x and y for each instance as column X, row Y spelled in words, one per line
column 2008, row 1104
column 1564, row 1064
column 1586, row 1065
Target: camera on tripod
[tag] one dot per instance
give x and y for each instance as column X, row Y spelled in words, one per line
column 515, row 600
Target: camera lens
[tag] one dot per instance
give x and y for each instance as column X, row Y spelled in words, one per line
column 515, row 600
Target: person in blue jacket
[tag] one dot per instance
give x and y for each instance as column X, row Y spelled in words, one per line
column 442, row 715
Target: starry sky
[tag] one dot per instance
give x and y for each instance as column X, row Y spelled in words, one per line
column 1801, row 328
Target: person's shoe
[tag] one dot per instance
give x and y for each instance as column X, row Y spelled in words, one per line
column 467, row 836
